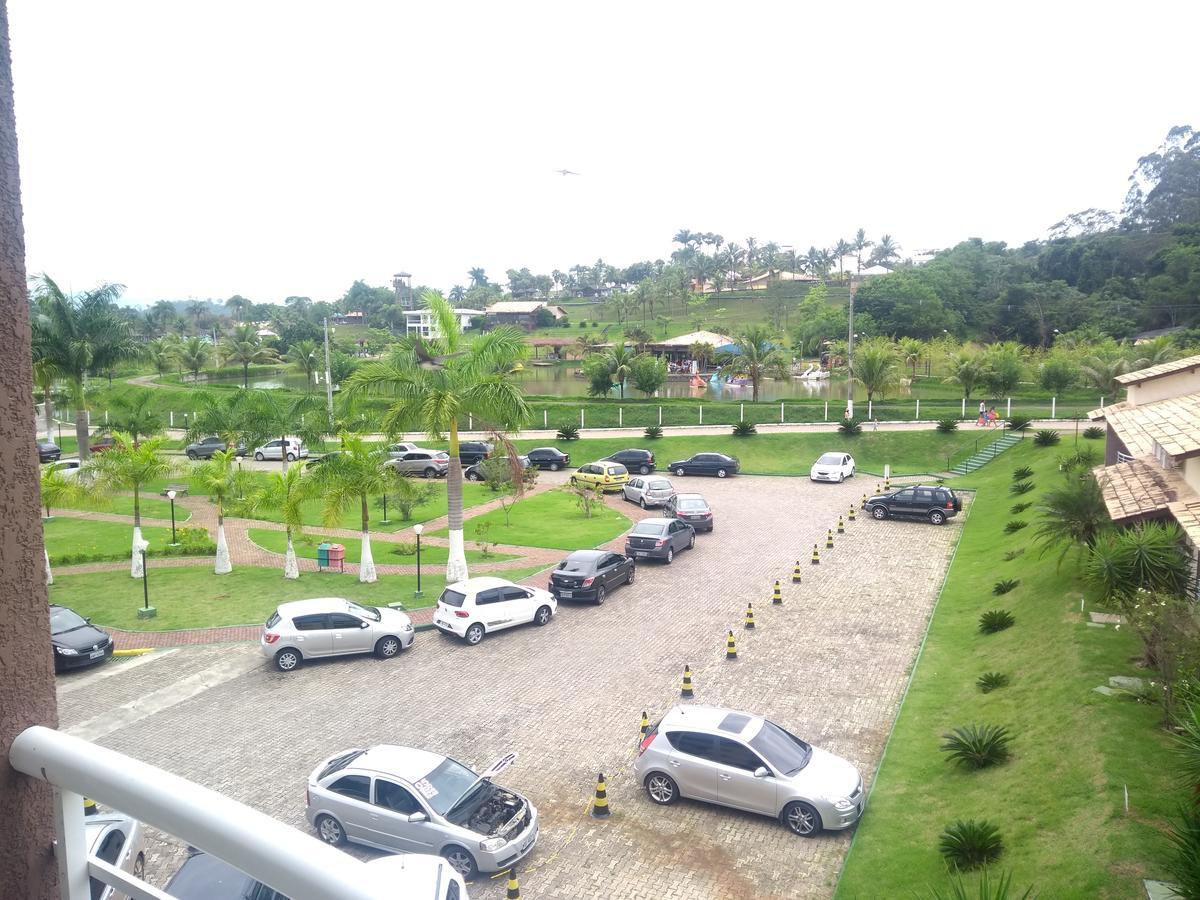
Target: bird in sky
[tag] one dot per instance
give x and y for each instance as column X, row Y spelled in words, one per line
column 565, row 172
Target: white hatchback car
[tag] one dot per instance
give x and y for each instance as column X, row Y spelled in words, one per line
column 836, row 466
column 275, row 450
column 648, row 490
column 472, row 608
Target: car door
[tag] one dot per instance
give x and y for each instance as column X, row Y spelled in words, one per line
column 633, row 489
column 519, row 602
column 350, row 634
column 313, row 636
column 736, row 784
column 349, row 800
column 848, row 464
column 388, row 820
column 903, row 503
column 678, row 533
column 609, row 572
column 492, row 610
column 692, row 764
column 110, row 849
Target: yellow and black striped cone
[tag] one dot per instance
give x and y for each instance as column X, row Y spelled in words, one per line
column 877, row 487
column 777, row 597
column 89, row 807
column 514, row 886
column 730, row 646
column 600, row 808
column 750, row 615
column 841, row 526
column 887, row 485
column 645, row 729
column 850, row 517
column 829, row 539
column 685, row 689
column 816, row 557
column 863, row 503
column 796, row 573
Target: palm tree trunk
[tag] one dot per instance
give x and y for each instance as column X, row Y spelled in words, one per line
column 291, row 568
column 366, row 563
column 224, row 564
column 136, row 569
column 245, row 375
column 48, row 409
column 49, row 574
column 456, row 561
column 81, row 432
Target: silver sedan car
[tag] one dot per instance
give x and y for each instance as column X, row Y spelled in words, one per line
column 747, row 762
column 412, row 801
column 333, row 626
column 118, row 840
column 648, row 490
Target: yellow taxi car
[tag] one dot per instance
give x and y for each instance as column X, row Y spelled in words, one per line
column 607, row 476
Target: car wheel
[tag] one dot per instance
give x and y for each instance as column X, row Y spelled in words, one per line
column 720, row 473
column 291, row 457
column 474, row 634
column 542, row 616
column 191, row 454
column 692, row 541
column 841, row 477
column 937, row 517
column 460, row 860
column 632, row 572
column 429, row 473
column 645, row 470
column 661, row 788
column 139, row 867
column 553, row 467
column 680, row 472
column 259, row 457
column 802, row 819
column 287, row 659
column 387, row 647
column 879, row 512
column 670, row 555
column 330, row 830
column 642, row 502
column 474, row 476
column 600, row 597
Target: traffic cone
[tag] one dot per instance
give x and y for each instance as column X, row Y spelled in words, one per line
column 887, row 484
column 851, row 515
column 829, row 539
column 514, row 887
column 645, row 729
column 600, row 808
column 816, row 557
column 750, row 616
column 777, row 599
column 796, row 573
column 685, row 690
column 730, row 647
column 89, row 807
column 863, row 504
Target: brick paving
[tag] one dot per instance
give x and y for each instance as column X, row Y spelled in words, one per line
column 831, row 664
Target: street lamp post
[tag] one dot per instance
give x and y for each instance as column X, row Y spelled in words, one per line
column 385, row 518
column 147, row 611
column 417, row 529
column 171, row 497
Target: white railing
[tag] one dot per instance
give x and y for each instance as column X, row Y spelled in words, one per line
column 279, row 856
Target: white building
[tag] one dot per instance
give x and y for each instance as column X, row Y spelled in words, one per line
column 420, row 321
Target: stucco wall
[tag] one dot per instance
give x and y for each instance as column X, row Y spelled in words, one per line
column 1174, row 385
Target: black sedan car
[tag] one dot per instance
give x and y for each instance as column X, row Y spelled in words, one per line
column 48, row 451
column 549, row 458
column 205, row 877
column 206, row 447
column 932, row 502
column 478, row 473
column 693, row 509
column 659, row 539
column 640, row 461
column 707, row 464
column 590, row 575
column 76, row 641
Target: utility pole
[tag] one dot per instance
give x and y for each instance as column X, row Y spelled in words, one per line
column 328, row 380
column 850, row 356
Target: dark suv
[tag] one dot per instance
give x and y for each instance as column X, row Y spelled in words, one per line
column 471, row 452
column 932, row 502
column 206, row 447
column 641, row 461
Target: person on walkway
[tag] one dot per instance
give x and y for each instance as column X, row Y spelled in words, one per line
column 982, row 410
column 991, row 417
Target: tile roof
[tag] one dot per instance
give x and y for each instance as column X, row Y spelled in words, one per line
column 1173, row 424
column 1169, row 368
column 1104, row 411
column 1187, row 514
column 1139, row 488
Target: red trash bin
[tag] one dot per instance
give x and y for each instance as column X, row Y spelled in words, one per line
column 337, row 557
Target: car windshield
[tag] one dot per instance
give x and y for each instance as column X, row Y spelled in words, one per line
column 367, row 612
column 692, row 504
column 339, row 762
column 574, row 564
column 444, row 786
column 617, row 470
column 784, row 751
column 654, row 528
column 830, row 459
column 62, row 620
column 452, row 598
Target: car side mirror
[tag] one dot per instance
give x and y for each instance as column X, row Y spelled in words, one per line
column 417, row 817
column 364, row 625
column 762, row 772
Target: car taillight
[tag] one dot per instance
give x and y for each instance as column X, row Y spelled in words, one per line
column 462, row 614
column 708, row 515
column 587, row 582
column 661, row 542
column 270, row 637
column 651, row 459
column 949, row 504
column 647, row 741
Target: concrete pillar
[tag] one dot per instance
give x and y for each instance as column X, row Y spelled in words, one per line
column 620, row 417
column 660, row 416
column 742, row 413
column 781, row 413
column 826, row 410
column 964, row 407
column 1008, row 409
column 1053, row 407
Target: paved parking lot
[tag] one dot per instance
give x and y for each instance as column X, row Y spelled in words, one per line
column 830, row 664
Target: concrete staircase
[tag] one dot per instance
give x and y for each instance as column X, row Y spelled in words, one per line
column 986, row 454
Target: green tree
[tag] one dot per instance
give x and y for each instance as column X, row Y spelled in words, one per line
column 244, row 348
column 45, row 375
column 875, row 366
column 967, row 371
column 221, row 481
column 238, row 306
column 194, row 353
column 755, row 355
column 818, row 321
column 1058, row 374
column 912, row 352
column 1002, row 368
column 1145, row 557
column 284, row 494
column 276, row 414
column 353, row 475
column 649, row 374
column 134, row 414
column 163, row 353
column 431, row 384
column 618, row 360
column 307, row 357
column 1073, row 514
column 127, row 466
column 406, row 494
column 1101, row 374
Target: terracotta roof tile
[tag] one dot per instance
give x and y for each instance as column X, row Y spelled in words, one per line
column 1173, row 424
column 1169, row 368
column 1139, row 488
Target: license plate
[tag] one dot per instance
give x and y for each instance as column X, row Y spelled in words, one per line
column 641, row 553
column 566, row 593
column 528, row 843
column 95, row 654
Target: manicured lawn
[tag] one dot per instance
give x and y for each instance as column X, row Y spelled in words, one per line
column 97, row 540
column 1059, row 801
column 550, row 519
column 193, row 597
column 152, row 508
column 383, row 551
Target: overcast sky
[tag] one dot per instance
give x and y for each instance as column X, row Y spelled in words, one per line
column 277, row 148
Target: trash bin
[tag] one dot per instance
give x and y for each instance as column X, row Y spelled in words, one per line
column 322, row 555
column 337, row 557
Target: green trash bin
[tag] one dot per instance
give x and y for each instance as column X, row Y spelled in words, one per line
column 322, row 555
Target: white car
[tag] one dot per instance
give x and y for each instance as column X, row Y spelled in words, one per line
column 475, row 607
column 117, row 839
column 837, row 466
column 648, row 490
column 395, row 451
column 275, row 450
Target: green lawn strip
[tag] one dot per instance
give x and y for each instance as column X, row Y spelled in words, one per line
column 383, row 551
column 152, row 508
column 193, row 597
column 77, row 539
column 1059, row 800
column 550, row 519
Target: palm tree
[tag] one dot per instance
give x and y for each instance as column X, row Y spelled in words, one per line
column 80, row 334
column 755, row 355
column 841, row 250
column 587, row 343
column 1101, row 374
column 221, row 481
column 967, row 371
column 135, row 414
column 59, row 489
column 466, row 376
column 457, row 293
column 305, row 356
column 284, row 493
column 875, row 366
column 618, row 359
column 858, row 245
column 245, row 348
column 127, row 466
column 912, row 351
column 1154, row 352
column 1072, row 514
column 274, row 414
column 194, row 354
column 163, row 315
column 231, row 415
column 45, row 374
column 354, row 475
column 163, row 352
column 237, row 304
column 478, row 277
column 885, row 251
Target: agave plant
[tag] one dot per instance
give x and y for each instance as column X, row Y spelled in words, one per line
column 1019, row 423
column 984, row 889
column 1010, row 555
column 1020, row 487
column 568, row 432
column 1184, row 863
column 971, row 844
column 977, row 746
column 1022, row 474
column 1017, row 508
column 850, row 427
column 991, row 681
column 1015, row 525
column 653, row 432
column 995, row 620
column 744, row 429
column 1046, row 437
column 1003, row 587
column 947, row 425
column 1093, row 433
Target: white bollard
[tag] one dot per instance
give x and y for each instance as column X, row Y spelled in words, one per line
column 172, row 414
column 781, row 413
column 964, row 407
column 620, row 417
column 1008, row 409
column 918, row 413
column 1053, row 407
column 545, row 418
column 581, row 417
column 701, row 414
column 826, row 410
column 1102, row 403
column 870, row 411
column 470, row 422
column 742, row 414
column 660, row 416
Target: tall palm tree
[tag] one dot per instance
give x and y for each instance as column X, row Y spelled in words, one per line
column 238, row 305
column 875, row 366
column 478, row 277
column 230, row 415
column 45, row 374
column 1101, row 374
column 135, row 414
column 245, row 348
column 196, row 309
column 858, row 245
column 163, row 353
column 967, row 370
column 457, row 293
column 284, row 493
column 306, row 356
column 755, row 355
column 80, row 334
column 127, row 466
column 60, row 489
column 221, row 481
column 194, row 353
column 354, row 475
column 841, row 250
column 619, row 359
column 912, row 351
column 886, row 251
column 275, row 414
column 433, row 383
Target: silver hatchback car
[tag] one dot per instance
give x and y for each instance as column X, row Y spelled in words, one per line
column 412, row 801
column 648, row 490
column 747, row 762
column 333, row 626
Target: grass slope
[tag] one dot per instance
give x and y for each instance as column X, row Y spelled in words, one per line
column 152, row 508
column 383, row 551
column 98, row 540
column 550, row 519
column 1059, row 801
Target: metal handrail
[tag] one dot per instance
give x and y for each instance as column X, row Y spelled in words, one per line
column 961, row 454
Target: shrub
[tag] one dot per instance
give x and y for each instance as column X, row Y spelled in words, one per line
column 850, row 427
column 1017, row 508
column 1015, row 525
column 403, row 549
column 1020, row 487
column 568, row 432
column 482, row 539
column 947, row 425
column 653, row 432
column 977, row 746
column 1093, row 432
column 1022, row 474
column 1019, row 423
column 1081, row 459
column 971, row 844
column 1145, row 556
column 1003, row 587
column 1046, row 437
column 744, row 429
column 991, row 681
column 984, row 889
column 1013, row 554
column 1184, row 863
column 995, row 620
